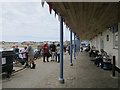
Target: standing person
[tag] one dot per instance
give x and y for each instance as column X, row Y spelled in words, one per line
column 39, row 50
column 25, row 56
column 69, row 49
column 53, row 50
column 45, row 51
column 58, row 52
column 16, row 50
column 13, row 47
column 88, row 47
column 65, row 49
column 30, row 52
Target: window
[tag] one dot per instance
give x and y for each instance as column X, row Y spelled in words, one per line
column 115, row 40
column 107, row 37
column 115, row 36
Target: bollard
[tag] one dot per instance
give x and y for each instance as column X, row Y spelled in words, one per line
column 113, row 66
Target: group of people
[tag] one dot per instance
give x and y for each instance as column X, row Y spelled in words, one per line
column 52, row 51
column 49, row 53
column 27, row 56
column 100, row 56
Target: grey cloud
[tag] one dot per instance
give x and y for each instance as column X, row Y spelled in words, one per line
column 28, row 20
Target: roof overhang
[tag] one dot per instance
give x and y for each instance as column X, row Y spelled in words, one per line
column 87, row 19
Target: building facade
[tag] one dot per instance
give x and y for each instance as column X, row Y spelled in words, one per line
column 108, row 40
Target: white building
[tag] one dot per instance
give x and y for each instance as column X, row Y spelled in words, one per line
column 108, row 40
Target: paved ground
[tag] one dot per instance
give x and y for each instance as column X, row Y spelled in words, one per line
column 83, row 74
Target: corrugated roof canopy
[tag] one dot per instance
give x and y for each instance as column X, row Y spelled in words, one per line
column 87, row 19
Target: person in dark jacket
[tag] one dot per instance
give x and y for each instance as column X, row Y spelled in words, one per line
column 16, row 50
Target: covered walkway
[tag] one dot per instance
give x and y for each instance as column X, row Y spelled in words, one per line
column 97, row 22
column 83, row 74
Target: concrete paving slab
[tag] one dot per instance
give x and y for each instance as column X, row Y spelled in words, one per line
column 83, row 74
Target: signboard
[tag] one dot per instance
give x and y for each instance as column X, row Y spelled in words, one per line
column 3, row 60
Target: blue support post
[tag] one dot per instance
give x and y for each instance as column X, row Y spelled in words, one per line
column 61, row 51
column 78, row 45
column 74, row 47
column 71, row 64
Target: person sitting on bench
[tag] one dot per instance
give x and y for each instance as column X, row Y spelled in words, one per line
column 99, row 60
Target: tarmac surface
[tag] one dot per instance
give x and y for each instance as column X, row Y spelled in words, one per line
column 83, row 74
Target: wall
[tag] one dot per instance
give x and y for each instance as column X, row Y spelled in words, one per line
column 119, row 45
column 107, row 45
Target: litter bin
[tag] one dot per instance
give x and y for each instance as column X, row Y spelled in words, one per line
column 107, row 66
column 7, row 61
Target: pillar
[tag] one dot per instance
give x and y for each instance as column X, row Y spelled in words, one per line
column 61, row 51
column 74, row 47
column 71, row 64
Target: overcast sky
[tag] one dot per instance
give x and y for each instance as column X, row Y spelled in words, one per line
column 29, row 21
